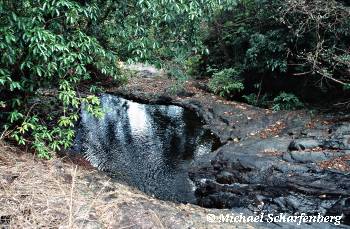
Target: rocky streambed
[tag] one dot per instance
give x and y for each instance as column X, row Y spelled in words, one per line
column 269, row 162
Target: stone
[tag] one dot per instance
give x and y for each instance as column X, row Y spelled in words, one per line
column 302, row 144
column 246, row 174
column 225, row 177
column 307, row 156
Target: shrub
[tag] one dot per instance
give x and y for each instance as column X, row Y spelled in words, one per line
column 293, row 45
column 193, row 65
column 44, row 47
column 226, row 82
column 286, row 101
column 255, row 100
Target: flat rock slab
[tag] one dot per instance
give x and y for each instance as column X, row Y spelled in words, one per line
column 278, row 174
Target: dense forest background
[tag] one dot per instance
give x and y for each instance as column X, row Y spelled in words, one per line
column 56, row 55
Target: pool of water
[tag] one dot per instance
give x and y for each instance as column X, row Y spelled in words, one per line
column 147, row 146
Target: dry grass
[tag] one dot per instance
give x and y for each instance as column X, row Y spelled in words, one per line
column 33, row 194
column 56, row 194
column 47, row 194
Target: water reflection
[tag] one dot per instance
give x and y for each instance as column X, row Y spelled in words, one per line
column 148, row 146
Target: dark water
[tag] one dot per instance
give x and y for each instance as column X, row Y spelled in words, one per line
column 147, row 146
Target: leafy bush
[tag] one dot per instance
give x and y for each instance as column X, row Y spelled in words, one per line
column 286, row 101
column 49, row 49
column 226, row 82
column 255, row 100
column 289, row 45
column 43, row 47
column 193, row 65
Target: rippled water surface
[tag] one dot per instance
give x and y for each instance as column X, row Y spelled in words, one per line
column 147, row 146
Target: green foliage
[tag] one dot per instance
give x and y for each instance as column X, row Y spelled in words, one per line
column 226, row 82
column 153, row 31
column 255, row 100
column 277, row 39
column 237, row 38
column 193, row 65
column 177, row 87
column 347, row 86
column 44, row 45
column 53, row 47
column 286, row 101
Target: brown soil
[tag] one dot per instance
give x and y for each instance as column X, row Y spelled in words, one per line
column 339, row 163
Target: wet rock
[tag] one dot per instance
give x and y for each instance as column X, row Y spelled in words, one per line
column 342, row 143
column 315, row 133
column 340, row 129
column 202, row 169
column 311, row 156
column 286, row 167
column 340, row 137
column 247, row 175
column 222, row 200
column 225, row 177
column 342, row 206
column 302, row 144
column 308, row 157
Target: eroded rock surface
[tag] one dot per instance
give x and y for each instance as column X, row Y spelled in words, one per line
column 270, row 162
column 280, row 174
